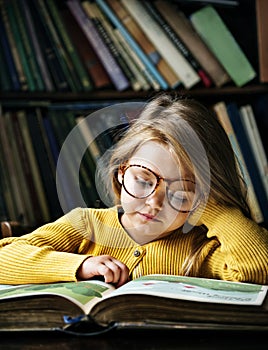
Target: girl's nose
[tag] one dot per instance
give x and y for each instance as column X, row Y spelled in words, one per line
column 155, row 200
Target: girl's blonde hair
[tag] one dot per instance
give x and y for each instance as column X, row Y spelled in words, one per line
column 193, row 133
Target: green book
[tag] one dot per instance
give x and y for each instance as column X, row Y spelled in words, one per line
column 222, row 43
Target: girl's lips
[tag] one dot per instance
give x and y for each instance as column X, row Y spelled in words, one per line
column 149, row 217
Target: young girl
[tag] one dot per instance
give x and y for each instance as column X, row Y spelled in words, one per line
column 180, row 208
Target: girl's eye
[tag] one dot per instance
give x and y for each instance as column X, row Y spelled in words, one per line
column 144, row 182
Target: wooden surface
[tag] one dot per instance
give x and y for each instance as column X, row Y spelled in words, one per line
column 182, row 339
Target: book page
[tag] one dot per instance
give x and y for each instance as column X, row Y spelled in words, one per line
column 85, row 294
column 196, row 289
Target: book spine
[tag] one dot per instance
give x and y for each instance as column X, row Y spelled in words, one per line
column 137, row 66
column 262, row 37
column 15, row 27
column 91, row 61
column 250, row 161
column 78, row 64
column 182, row 26
column 222, row 43
column 147, row 47
column 9, row 58
column 220, row 109
column 254, row 139
column 48, row 49
column 32, row 204
column 67, row 68
column 113, row 69
column 28, row 48
column 48, row 81
column 106, row 32
column 142, row 56
column 156, row 15
column 35, row 171
column 180, row 65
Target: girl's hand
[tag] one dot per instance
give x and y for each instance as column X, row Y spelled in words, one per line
column 113, row 270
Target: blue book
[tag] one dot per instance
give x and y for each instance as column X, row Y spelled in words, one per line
column 235, row 117
column 143, row 57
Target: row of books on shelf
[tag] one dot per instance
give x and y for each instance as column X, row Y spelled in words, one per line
column 75, row 45
column 39, row 181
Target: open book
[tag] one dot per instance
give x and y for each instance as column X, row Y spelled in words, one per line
column 149, row 302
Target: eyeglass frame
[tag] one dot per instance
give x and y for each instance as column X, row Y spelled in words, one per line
column 158, row 178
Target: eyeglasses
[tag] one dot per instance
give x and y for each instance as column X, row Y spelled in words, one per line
column 140, row 182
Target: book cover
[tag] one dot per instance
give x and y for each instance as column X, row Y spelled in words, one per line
column 222, row 43
column 113, row 69
column 164, row 45
column 262, row 37
column 95, row 306
column 235, row 117
column 94, row 67
column 80, row 69
column 181, row 24
column 220, row 109
column 178, row 43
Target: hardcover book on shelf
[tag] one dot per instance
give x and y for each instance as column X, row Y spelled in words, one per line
column 159, row 302
column 222, row 43
column 220, row 108
column 5, row 81
column 106, row 31
column 150, row 69
column 178, row 43
column 25, row 36
column 9, row 58
column 21, row 193
column 34, row 168
column 142, row 42
column 95, row 69
column 164, row 45
column 29, row 189
column 16, row 28
column 48, row 48
column 14, row 205
column 37, row 49
column 43, row 157
column 79, row 68
column 65, row 62
column 181, row 24
column 255, row 142
column 112, row 68
column 262, row 36
column 235, row 117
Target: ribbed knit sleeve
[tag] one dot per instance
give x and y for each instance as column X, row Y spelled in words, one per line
column 48, row 254
column 243, row 251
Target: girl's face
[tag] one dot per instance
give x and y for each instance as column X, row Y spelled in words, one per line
column 156, row 172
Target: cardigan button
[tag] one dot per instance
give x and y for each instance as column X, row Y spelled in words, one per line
column 137, row 253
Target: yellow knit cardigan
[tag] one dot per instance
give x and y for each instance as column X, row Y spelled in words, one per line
column 237, row 248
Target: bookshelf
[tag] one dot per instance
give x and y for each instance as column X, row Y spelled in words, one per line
column 240, row 18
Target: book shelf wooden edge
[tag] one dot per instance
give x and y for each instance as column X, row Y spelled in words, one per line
column 101, row 95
